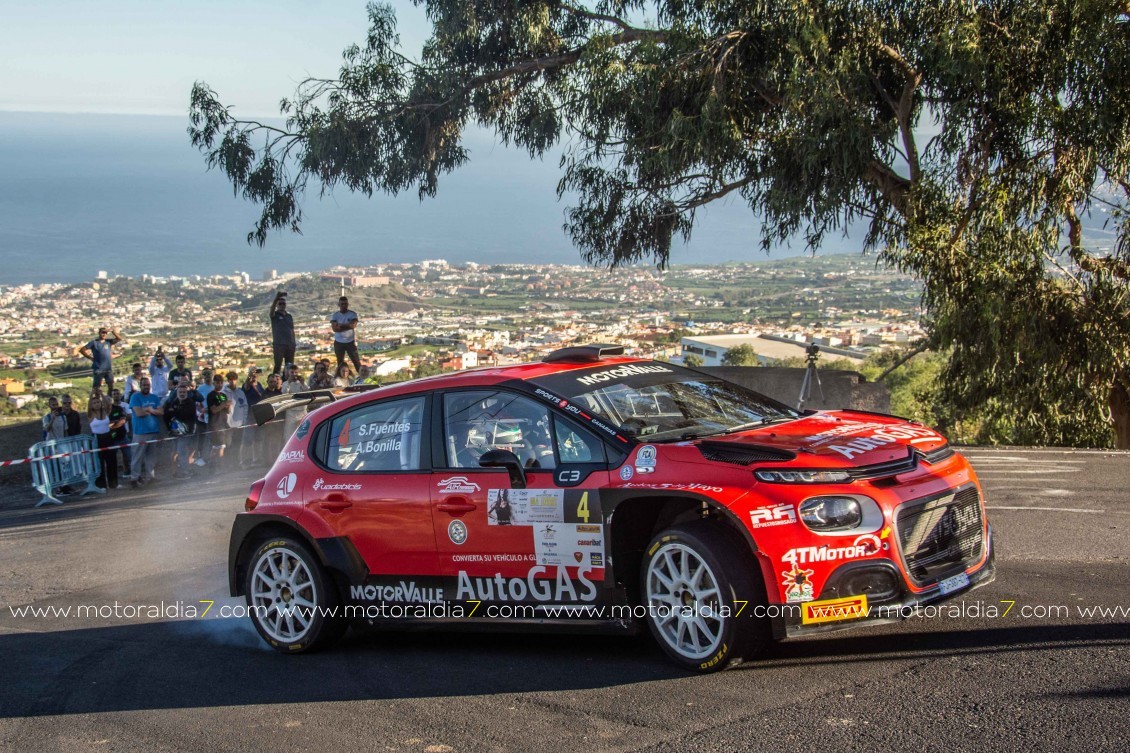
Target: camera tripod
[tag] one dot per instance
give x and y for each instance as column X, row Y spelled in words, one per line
column 812, row 353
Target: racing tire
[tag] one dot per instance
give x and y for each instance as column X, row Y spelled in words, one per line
column 702, row 594
column 292, row 601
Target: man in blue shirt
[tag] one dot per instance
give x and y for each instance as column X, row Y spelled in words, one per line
column 147, row 414
column 101, row 358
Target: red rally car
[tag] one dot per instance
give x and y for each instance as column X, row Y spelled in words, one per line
column 601, row 492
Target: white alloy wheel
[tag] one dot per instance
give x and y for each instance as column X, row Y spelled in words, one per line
column 684, row 598
column 283, row 595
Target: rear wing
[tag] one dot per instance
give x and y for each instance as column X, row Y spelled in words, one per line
column 274, row 407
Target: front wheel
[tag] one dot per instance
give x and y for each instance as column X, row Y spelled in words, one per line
column 293, row 603
column 701, row 593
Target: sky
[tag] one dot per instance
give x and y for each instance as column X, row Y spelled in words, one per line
column 115, row 76
column 142, row 57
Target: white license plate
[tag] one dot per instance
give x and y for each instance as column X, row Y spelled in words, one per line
column 956, row 583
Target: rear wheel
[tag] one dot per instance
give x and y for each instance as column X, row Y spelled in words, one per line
column 293, row 603
column 702, row 592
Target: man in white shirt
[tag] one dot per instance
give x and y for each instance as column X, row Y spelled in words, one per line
column 344, row 325
column 237, row 418
column 133, row 383
column 159, row 368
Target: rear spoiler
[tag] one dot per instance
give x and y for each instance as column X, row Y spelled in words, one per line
column 274, row 407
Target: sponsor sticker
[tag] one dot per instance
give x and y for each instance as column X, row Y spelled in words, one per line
column 681, row 487
column 854, row 438
column 457, row 485
column 620, row 372
column 457, row 532
column 626, row 473
column 539, row 585
column 834, row 610
column 303, row 429
column 286, row 485
column 864, row 546
column 524, row 507
column 400, row 592
column 567, row 544
column 798, row 585
column 777, row 515
column 293, row 456
column 321, row 486
column 646, row 458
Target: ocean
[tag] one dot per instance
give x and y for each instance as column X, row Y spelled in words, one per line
column 130, row 195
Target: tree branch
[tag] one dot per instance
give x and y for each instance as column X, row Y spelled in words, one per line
column 905, row 107
column 893, row 186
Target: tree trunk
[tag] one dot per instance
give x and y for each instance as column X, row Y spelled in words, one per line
column 1120, row 410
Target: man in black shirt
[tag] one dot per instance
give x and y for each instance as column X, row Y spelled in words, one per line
column 219, row 419
column 179, row 373
column 282, row 333
column 180, row 417
column 72, row 416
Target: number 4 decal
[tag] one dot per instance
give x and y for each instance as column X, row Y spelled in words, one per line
column 583, row 508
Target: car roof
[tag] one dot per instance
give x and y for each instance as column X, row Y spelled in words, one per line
column 486, row 376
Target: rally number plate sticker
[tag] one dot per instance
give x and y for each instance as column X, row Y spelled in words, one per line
column 955, row 583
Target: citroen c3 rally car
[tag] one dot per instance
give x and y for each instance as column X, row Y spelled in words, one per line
column 596, row 491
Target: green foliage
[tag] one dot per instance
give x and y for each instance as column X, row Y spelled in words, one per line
column 741, row 355
column 815, row 115
column 692, row 360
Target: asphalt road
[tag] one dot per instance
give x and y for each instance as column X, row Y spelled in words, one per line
column 1046, row 676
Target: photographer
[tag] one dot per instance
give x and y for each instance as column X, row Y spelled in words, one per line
column 282, row 332
column 54, row 423
column 253, row 393
column 159, row 369
column 321, row 379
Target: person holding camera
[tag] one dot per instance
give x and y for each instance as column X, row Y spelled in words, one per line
column 321, row 379
column 159, row 369
column 253, row 393
column 282, row 333
column 54, row 423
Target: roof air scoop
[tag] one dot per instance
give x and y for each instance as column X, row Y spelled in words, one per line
column 584, row 353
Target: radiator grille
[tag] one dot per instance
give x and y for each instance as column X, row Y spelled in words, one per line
column 940, row 537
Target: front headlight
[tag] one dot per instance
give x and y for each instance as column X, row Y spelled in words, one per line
column 803, row 477
column 826, row 514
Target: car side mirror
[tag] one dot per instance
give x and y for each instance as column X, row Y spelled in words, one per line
column 508, row 460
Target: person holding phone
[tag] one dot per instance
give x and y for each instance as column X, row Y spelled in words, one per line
column 159, row 368
column 282, row 333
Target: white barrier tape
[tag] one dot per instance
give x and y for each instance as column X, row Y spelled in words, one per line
column 6, row 463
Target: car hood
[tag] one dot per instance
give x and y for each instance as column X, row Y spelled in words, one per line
column 842, row 438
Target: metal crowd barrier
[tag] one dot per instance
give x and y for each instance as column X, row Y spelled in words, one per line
column 78, row 466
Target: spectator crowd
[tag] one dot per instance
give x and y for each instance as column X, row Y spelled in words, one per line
column 164, row 414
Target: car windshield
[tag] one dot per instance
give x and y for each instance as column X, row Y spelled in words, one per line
column 661, row 402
